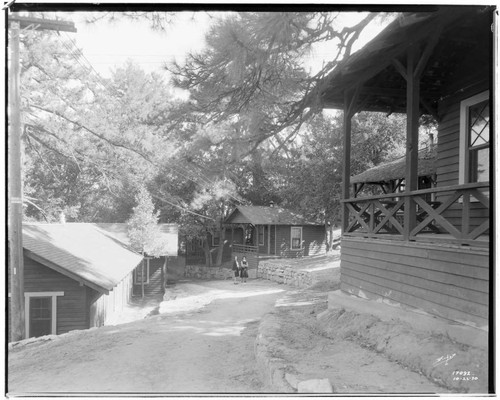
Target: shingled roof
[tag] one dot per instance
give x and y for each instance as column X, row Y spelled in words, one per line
column 396, row 169
column 81, row 251
column 261, row 215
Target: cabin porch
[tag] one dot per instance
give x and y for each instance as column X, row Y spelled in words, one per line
column 456, row 215
column 426, row 249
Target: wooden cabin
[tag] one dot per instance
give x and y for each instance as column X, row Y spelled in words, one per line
column 437, row 62
column 76, row 276
column 389, row 177
column 273, row 231
column 153, row 271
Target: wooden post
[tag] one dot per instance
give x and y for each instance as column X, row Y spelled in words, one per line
column 269, row 239
column 165, row 282
column 16, row 194
column 17, row 305
column 349, row 110
column 162, row 277
column 142, row 277
column 346, row 161
column 412, row 116
column 275, row 241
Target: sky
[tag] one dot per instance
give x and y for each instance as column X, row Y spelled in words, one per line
column 109, row 44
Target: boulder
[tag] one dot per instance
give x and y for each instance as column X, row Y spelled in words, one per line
column 315, row 386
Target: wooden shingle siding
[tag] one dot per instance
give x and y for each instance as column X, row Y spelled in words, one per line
column 449, row 135
column 71, row 308
column 448, row 151
column 315, row 238
column 282, row 232
column 448, row 147
column 448, row 282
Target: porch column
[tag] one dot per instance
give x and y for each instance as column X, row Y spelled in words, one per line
column 412, row 116
column 350, row 99
column 416, row 61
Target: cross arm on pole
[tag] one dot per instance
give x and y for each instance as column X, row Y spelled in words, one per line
column 43, row 24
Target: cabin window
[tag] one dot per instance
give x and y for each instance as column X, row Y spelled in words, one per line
column 40, row 313
column 261, row 235
column 296, row 237
column 215, row 239
column 475, row 139
column 138, row 274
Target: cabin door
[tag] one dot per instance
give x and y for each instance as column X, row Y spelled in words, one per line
column 40, row 317
column 272, row 240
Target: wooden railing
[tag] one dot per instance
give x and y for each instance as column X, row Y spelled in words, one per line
column 408, row 216
column 244, row 248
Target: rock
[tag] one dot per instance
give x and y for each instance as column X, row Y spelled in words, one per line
column 315, row 386
column 293, row 380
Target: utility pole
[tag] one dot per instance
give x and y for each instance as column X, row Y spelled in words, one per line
column 15, row 184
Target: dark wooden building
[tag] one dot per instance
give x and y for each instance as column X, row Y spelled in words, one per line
column 436, row 257
column 154, row 271
column 389, row 177
column 76, row 276
column 273, row 231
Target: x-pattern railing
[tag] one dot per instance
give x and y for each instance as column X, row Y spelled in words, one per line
column 385, row 214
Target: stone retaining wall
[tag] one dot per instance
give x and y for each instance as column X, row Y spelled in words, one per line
column 284, row 274
column 224, row 272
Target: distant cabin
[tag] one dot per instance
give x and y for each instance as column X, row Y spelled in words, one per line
column 76, row 276
column 274, row 231
column 153, row 271
column 389, row 177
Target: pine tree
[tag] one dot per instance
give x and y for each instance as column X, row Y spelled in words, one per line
column 143, row 230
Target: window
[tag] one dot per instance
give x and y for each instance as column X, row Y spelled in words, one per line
column 296, row 237
column 475, row 139
column 215, row 239
column 40, row 313
column 261, row 235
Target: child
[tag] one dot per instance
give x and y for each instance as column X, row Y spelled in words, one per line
column 244, row 269
column 236, row 269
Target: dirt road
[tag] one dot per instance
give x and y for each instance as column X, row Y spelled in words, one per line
column 204, row 350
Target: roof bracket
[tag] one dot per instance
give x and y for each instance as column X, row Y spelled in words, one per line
column 400, row 68
column 431, row 44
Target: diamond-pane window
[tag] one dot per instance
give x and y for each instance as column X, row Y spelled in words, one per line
column 479, row 124
column 479, row 140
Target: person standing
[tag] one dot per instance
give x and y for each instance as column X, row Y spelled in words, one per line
column 236, row 269
column 244, row 269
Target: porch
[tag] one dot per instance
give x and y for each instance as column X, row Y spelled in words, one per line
column 425, row 244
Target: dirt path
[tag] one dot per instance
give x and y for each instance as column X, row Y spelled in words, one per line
column 207, row 350
column 306, row 353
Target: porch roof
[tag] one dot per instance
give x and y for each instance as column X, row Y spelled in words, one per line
column 457, row 30
column 396, row 169
column 81, row 251
column 260, row 215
